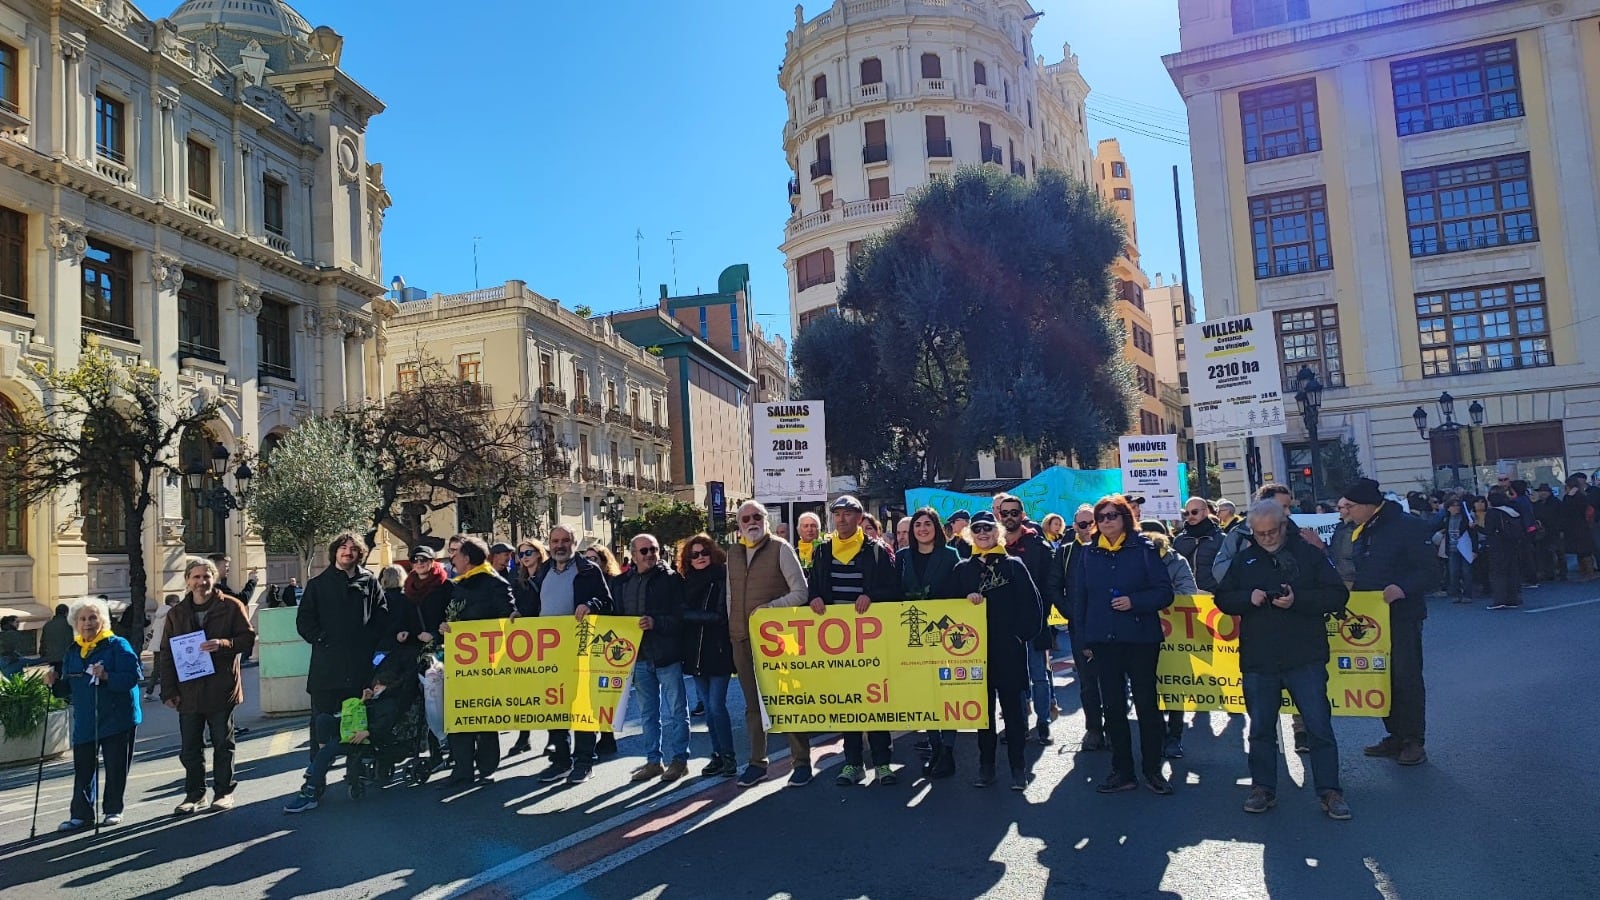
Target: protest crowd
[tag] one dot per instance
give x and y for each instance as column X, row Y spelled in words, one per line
column 1108, row 572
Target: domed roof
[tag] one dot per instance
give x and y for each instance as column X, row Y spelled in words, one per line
column 229, row 26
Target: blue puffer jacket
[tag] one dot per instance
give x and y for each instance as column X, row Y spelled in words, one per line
column 1135, row 571
column 116, row 699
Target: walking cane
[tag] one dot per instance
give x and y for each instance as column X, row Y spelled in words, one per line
column 38, row 778
column 99, row 786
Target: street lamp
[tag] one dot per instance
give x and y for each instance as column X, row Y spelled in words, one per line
column 1447, row 411
column 217, row 497
column 611, row 505
column 1310, row 400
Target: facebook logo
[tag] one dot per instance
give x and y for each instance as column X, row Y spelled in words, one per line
column 944, row 674
column 1344, row 662
column 605, row 681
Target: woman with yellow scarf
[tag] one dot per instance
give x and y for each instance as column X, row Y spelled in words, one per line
column 101, row 674
column 808, row 537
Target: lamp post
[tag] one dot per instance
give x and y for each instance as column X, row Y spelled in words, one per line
column 207, row 482
column 1310, row 400
column 1447, row 411
column 611, row 505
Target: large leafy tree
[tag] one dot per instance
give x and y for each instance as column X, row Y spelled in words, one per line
column 440, row 439
column 312, row 487
column 983, row 318
column 107, row 428
column 670, row 521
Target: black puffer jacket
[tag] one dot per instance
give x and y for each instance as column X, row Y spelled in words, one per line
column 1272, row 639
column 1198, row 544
column 1011, row 609
column 707, row 649
column 343, row 618
column 1395, row 548
column 483, row 595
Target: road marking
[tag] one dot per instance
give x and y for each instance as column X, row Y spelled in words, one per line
column 1562, row 606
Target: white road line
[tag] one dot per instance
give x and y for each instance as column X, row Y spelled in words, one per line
column 1562, row 606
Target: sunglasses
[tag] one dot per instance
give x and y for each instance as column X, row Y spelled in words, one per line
column 1010, row 513
column 1107, row 516
column 648, row 551
column 752, row 519
column 697, row 553
column 982, row 529
column 527, row 553
column 1194, row 512
column 1083, row 526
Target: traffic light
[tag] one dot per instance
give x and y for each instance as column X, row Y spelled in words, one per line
column 1306, row 472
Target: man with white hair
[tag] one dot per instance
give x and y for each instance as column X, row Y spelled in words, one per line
column 570, row 585
column 763, row 571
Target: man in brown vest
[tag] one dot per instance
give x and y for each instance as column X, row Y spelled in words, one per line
column 763, row 571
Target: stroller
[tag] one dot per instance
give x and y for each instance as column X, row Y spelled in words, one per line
column 397, row 731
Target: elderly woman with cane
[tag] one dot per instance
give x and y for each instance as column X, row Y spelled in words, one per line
column 101, row 674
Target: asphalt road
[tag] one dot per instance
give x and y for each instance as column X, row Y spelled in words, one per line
column 1506, row 808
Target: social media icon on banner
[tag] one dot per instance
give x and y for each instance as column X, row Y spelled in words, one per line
column 975, row 673
column 605, row 681
column 1344, row 662
column 1379, row 663
column 944, row 674
column 961, row 673
column 1361, row 662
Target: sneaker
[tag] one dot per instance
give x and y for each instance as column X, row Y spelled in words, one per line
column 606, row 745
column 1093, row 741
column 1333, row 804
column 716, row 767
column 1412, row 754
column 222, row 802
column 305, row 801
column 190, row 806
column 1172, row 748
column 646, row 772
column 556, row 772
column 850, row 775
column 1158, row 785
column 1116, row 784
column 800, row 777
column 579, row 774
column 985, row 777
column 111, row 821
column 678, row 769
column 752, row 776
column 1044, row 735
column 699, row 710
column 1302, row 742
column 885, row 776
column 1019, row 780
column 1388, row 747
column 518, row 748
column 1260, row 800
column 71, row 825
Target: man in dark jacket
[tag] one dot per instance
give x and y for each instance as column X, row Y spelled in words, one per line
column 1393, row 554
column 224, row 568
column 55, row 639
column 654, row 594
column 1283, row 589
column 570, row 585
column 849, row 569
column 342, row 617
column 1027, row 543
column 206, row 704
column 479, row 593
column 1199, row 541
column 1550, row 562
column 1068, row 557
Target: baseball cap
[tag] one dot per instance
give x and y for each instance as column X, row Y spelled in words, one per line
column 848, row 502
column 422, row 553
column 501, row 547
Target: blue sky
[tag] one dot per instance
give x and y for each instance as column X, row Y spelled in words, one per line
column 556, row 131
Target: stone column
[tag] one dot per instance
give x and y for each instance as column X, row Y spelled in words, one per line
column 157, row 331
column 333, row 361
column 243, row 351
column 355, row 362
column 164, row 180
column 66, row 133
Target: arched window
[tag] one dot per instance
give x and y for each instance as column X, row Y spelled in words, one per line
column 980, row 73
column 204, row 531
column 819, row 87
column 931, row 67
column 13, row 515
column 871, row 71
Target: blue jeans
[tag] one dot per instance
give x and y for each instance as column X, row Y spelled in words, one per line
column 1042, row 688
column 1263, row 701
column 326, row 729
column 664, row 710
column 1458, row 575
column 713, row 691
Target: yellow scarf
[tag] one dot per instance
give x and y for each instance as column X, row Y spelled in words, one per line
column 996, row 550
column 1355, row 533
column 845, row 549
column 805, row 549
column 482, row 568
column 1113, row 546
column 749, row 544
column 86, row 647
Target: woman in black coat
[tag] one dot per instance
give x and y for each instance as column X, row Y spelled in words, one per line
column 480, row 593
column 924, row 564
column 707, row 649
column 1014, row 615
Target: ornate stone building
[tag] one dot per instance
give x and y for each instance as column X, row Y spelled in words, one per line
column 195, row 193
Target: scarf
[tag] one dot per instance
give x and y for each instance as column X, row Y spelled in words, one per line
column 1355, row 534
column 1113, row 546
column 87, row 647
column 482, row 568
column 996, row 550
column 805, row 549
column 845, row 549
column 418, row 587
column 749, row 544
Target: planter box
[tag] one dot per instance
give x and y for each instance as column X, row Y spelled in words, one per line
column 284, row 661
column 57, row 740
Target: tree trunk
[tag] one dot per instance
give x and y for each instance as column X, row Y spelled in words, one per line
column 138, row 576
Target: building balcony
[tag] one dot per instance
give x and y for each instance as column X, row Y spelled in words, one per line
column 1482, row 240
column 189, row 350
column 822, row 168
column 1418, row 122
column 110, row 166
column 615, row 416
column 794, row 192
column 994, row 155
column 274, row 370
column 114, row 330
column 474, row 394
column 549, row 395
column 558, row 468
column 590, row 475
column 1284, row 267
column 205, row 209
column 1294, row 147
column 15, row 305
column 857, row 210
column 991, row 96
column 12, row 121
column 940, row 148
column 278, row 242
column 589, row 409
column 936, row 87
column 628, row 481
column 817, row 108
column 877, row 92
column 875, row 153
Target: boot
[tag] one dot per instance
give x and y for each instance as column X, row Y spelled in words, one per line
column 943, row 764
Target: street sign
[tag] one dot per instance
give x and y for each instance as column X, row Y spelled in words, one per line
column 719, row 504
column 791, row 452
column 1150, row 468
column 1235, row 390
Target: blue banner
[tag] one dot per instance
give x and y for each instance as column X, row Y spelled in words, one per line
column 1057, row 489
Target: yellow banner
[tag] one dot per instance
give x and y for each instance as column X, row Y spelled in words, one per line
column 538, row 673
column 1199, row 666
column 919, row 665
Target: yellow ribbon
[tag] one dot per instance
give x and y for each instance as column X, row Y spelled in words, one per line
column 845, row 549
column 482, row 568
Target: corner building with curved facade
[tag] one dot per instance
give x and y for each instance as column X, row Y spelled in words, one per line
column 884, row 95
